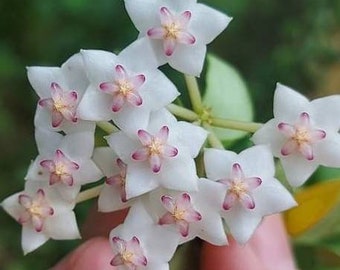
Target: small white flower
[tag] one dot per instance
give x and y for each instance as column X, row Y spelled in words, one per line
column 43, row 215
column 303, row 134
column 124, row 88
column 191, row 214
column 251, row 191
column 64, row 161
column 160, row 155
column 178, row 30
column 60, row 90
column 140, row 244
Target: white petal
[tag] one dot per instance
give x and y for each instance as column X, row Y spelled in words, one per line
column 327, row 152
column 78, row 145
column 288, row 104
column 73, row 70
column 31, row 240
column 270, row 135
column 327, row 111
column 130, row 118
column 207, row 23
column 179, row 173
column 47, row 141
column 297, row 169
column 191, row 136
column 95, row 105
column 123, row 145
column 158, row 91
column 241, row 223
column 160, row 243
column 271, row 197
column 154, row 265
column 142, row 50
column 99, row 65
column 257, row 161
column 41, row 78
column 139, row 179
column 80, row 126
column 218, row 163
column 35, row 171
column 138, row 217
column 208, row 201
column 105, row 158
column 62, row 226
column 161, row 118
column 87, row 173
column 211, row 229
column 67, row 193
column 143, row 13
column 188, row 59
column 109, row 200
column 11, row 205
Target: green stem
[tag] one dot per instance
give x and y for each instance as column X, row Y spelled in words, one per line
column 182, row 112
column 89, row 194
column 237, row 125
column 212, row 138
column 107, row 127
column 194, row 93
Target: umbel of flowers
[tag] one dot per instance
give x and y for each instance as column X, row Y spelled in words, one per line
column 150, row 161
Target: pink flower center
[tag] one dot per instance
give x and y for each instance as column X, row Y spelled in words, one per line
column 180, row 211
column 301, row 137
column 119, row 180
column 239, row 188
column 61, row 169
column 128, row 253
column 155, row 148
column 173, row 30
column 36, row 209
column 124, row 88
column 62, row 105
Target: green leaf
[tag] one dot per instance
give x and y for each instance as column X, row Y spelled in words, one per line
column 227, row 96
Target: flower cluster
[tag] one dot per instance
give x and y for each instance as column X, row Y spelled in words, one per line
column 152, row 159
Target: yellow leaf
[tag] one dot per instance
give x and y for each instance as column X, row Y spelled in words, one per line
column 314, row 203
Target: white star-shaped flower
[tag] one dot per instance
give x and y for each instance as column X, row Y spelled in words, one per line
column 251, row 191
column 60, row 90
column 64, row 161
column 125, row 88
column 140, row 244
column 191, row 214
column 43, row 214
column 160, row 155
column 178, row 30
column 303, row 134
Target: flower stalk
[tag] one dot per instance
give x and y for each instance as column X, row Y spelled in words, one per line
column 236, row 125
column 194, row 93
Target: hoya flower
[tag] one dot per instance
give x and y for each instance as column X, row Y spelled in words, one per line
column 303, row 134
column 140, row 244
column 64, row 161
column 178, row 30
column 113, row 195
column 43, row 215
column 160, row 155
column 191, row 214
column 251, row 191
column 60, row 90
column 125, row 88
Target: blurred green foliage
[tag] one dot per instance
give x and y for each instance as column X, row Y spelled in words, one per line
column 294, row 42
